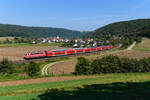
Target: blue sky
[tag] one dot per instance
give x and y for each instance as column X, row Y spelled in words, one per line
column 84, row 15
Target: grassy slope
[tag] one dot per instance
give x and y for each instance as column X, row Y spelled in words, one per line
column 143, row 46
column 33, row 90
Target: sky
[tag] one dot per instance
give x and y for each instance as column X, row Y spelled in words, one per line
column 82, row 15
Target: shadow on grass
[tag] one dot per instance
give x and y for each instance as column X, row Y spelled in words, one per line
column 113, row 91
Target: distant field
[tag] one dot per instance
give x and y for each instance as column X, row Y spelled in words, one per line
column 27, row 44
column 127, row 86
column 4, row 38
column 16, row 51
column 143, row 46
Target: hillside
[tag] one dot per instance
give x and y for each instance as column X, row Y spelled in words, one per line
column 17, row 30
column 120, row 28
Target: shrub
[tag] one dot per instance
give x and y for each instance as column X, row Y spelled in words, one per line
column 33, row 69
column 83, row 66
column 6, row 67
column 144, row 65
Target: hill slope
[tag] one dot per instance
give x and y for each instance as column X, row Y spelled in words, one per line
column 120, row 28
column 17, row 30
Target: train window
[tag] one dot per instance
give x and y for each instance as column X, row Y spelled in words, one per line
column 59, row 50
column 79, row 49
column 36, row 53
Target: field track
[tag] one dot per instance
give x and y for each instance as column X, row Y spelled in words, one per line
column 44, row 80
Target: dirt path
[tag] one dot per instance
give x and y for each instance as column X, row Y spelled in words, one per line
column 44, row 80
column 131, row 46
column 46, row 67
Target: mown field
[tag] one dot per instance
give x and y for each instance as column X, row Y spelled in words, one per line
column 16, row 51
column 127, row 86
column 143, row 46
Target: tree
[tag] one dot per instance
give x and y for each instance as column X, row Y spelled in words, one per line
column 33, row 69
column 82, row 66
column 6, row 67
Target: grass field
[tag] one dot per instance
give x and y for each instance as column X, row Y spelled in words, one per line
column 118, row 86
column 143, row 46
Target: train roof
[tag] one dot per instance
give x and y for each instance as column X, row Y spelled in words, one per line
column 59, row 50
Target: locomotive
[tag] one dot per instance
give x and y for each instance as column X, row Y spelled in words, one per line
column 61, row 52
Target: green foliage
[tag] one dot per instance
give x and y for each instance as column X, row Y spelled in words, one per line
column 108, row 64
column 121, row 28
column 83, row 66
column 138, row 39
column 33, row 69
column 22, row 40
column 113, row 64
column 23, row 31
column 6, row 67
column 127, row 41
column 7, row 41
column 68, row 44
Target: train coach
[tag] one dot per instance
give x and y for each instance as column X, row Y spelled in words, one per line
column 53, row 53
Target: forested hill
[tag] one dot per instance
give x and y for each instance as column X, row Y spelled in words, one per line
column 24, row 31
column 144, row 31
column 120, row 28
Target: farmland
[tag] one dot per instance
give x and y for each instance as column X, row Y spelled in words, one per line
column 69, row 66
column 16, row 51
column 143, row 46
column 4, row 38
column 117, row 86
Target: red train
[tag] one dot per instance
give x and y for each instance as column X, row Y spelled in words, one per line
column 61, row 52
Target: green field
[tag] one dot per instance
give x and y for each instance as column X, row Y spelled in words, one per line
column 127, row 86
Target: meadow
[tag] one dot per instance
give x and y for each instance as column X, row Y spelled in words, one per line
column 143, row 46
column 127, row 86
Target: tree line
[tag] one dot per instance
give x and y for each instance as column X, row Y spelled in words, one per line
column 111, row 64
column 24, row 31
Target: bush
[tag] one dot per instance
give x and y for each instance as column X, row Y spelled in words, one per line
column 6, row 67
column 83, row 66
column 144, row 65
column 33, row 69
column 108, row 64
